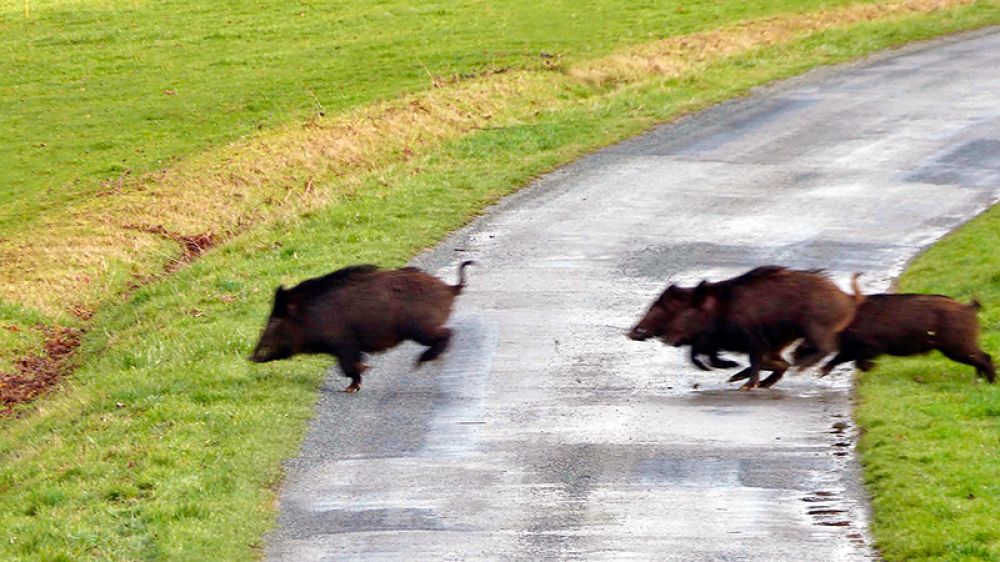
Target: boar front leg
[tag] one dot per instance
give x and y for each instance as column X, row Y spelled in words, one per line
column 976, row 358
column 720, row 363
column 756, row 351
column 842, row 356
column 773, row 362
column 777, row 365
column 712, row 354
column 695, row 360
column 352, row 367
column 756, row 359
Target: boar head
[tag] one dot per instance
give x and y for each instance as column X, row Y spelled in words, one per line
column 282, row 336
column 678, row 316
column 661, row 313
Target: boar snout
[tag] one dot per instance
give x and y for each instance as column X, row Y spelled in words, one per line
column 639, row 334
column 260, row 355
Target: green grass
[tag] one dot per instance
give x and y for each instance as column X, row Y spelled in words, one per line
column 167, row 445
column 84, row 84
column 931, row 447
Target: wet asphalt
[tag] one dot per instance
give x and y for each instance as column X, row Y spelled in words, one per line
column 546, row 434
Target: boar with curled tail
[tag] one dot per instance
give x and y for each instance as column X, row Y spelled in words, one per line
column 758, row 313
column 911, row 324
column 358, row 310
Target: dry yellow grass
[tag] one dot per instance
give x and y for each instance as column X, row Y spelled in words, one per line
column 679, row 55
column 64, row 264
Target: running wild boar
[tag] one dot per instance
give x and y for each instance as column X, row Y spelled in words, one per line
column 758, row 313
column 358, row 310
column 911, row 324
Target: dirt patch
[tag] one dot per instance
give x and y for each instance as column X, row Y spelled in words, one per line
column 192, row 245
column 36, row 374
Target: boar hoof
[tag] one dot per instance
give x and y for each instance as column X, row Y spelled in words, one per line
column 748, row 386
column 352, row 388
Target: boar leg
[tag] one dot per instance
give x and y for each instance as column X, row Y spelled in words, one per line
column 351, row 365
column 714, row 360
column 720, row 363
column 773, row 362
column 987, row 369
column 695, row 352
column 977, row 358
column 841, row 357
column 864, row 365
column 700, row 347
column 438, row 340
column 821, row 343
column 756, row 359
column 744, row 374
column 756, row 351
column 777, row 365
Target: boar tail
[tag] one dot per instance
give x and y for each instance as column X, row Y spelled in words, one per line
column 974, row 303
column 461, row 276
column 858, row 295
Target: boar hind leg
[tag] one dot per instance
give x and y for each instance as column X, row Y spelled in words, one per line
column 437, row 339
column 977, row 358
column 820, row 342
column 840, row 357
column 986, row 368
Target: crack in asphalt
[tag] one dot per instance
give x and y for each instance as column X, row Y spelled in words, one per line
column 544, row 433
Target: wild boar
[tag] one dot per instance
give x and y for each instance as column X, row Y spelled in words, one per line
column 759, row 313
column 911, row 324
column 358, row 310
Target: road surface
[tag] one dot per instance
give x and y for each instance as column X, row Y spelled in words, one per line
column 545, row 433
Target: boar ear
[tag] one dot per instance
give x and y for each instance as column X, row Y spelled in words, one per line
column 703, row 297
column 280, row 299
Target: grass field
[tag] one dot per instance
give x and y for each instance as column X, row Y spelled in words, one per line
column 166, row 443
column 102, row 97
column 931, row 444
column 94, row 89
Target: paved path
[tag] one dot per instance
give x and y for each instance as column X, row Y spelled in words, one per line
column 545, row 433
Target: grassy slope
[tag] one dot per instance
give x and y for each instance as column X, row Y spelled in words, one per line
column 168, row 442
column 931, row 446
column 83, row 83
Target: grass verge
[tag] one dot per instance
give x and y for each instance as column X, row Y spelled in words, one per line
column 168, row 443
column 931, row 443
column 99, row 90
column 76, row 256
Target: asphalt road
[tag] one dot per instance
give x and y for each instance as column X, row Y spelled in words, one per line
column 545, row 433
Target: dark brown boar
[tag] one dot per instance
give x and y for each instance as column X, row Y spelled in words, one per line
column 911, row 324
column 358, row 310
column 759, row 313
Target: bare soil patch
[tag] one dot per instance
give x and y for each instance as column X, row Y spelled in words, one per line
column 37, row 374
